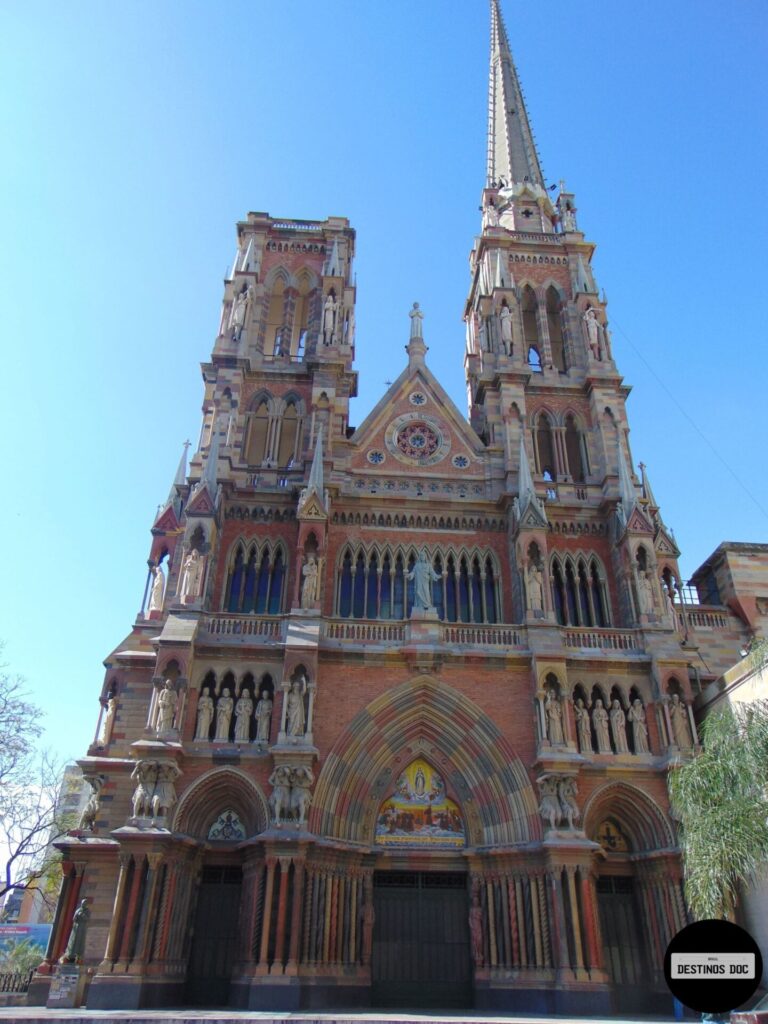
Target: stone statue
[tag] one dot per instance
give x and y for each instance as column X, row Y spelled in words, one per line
column 669, row 593
column 569, row 218
column 416, row 317
column 224, row 708
column 280, row 797
column 636, row 716
column 422, row 575
column 191, row 575
column 583, row 726
column 505, row 320
column 167, row 702
column 594, row 331
column 263, row 715
column 600, row 722
column 204, row 715
column 535, row 588
column 309, row 586
column 482, row 334
column 566, row 793
column 329, row 318
column 73, row 954
column 619, row 727
column 301, row 779
column 154, row 795
column 239, row 310
column 164, row 796
column 295, row 716
column 91, row 809
column 142, row 794
column 645, row 593
column 549, row 807
column 158, row 590
column 490, row 215
column 678, row 713
column 476, row 929
column 109, row 720
column 243, row 712
column 554, row 710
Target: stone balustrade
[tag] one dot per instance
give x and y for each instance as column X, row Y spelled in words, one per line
column 603, row 639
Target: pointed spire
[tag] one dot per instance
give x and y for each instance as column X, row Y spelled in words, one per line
column 511, row 150
column 647, row 492
column 210, row 473
column 332, row 267
column 627, row 491
column 526, row 493
column 316, row 469
column 173, row 500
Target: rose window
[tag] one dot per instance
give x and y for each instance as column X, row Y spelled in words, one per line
column 417, row 441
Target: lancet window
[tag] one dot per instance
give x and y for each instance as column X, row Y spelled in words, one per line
column 579, row 593
column 555, row 328
column 273, row 435
column 374, row 584
column 256, row 579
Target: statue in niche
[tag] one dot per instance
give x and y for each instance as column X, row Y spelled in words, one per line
column 239, row 311
column 476, row 929
column 594, row 331
column 167, row 702
column 534, row 586
column 554, row 712
column 330, row 307
column 636, row 716
column 583, row 729
column 91, row 809
column 645, row 593
column 619, row 727
column 490, row 215
column 224, row 709
column 263, row 715
column 301, row 779
column 191, row 575
column 309, row 586
column 280, row 797
column 569, row 218
column 158, row 590
column 73, row 954
column 422, row 575
column 505, row 321
column 243, row 712
column 109, row 719
column 566, row 794
column 549, row 807
column 600, row 722
column 204, row 715
column 678, row 713
column 295, row 715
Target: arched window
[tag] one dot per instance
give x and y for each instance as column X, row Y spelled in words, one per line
column 574, row 449
column 262, row 584
column 236, row 581
column 598, row 595
column 585, row 608
column 345, row 588
column 534, row 359
column 451, row 591
column 256, row 435
column 438, row 590
column 289, row 430
column 529, row 306
column 275, row 602
column 558, row 594
column 491, row 609
column 358, row 587
column 476, row 595
column 555, row 327
column 545, row 449
column 398, row 601
column 571, row 599
column 275, row 318
column 385, row 601
column 372, row 589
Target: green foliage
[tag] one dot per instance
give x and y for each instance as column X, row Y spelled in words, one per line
column 721, row 801
column 20, row 956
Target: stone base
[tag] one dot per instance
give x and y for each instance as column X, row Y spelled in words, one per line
column 124, row 992
column 296, row 994
column 67, row 987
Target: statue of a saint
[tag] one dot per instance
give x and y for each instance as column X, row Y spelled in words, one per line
column 191, row 575
column 594, row 331
column 158, row 590
column 204, row 715
column 569, row 218
column 309, row 585
column 422, row 575
column 645, row 593
column 167, row 701
column 76, row 945
column 566, row 794
column 329, row 318
column 490, row 215
column 476, row 929
column 295, row 716
column 109, row 719
column 678, row 713
column 583, row 726
column 535, row 587
column 505, row 319
column 223, row 715
column 243, row 712
column 636, row 716
column 263, row 715
column 239, row 310
column 554, row 710
column 600, row 722
column 416, row 317
column 619, row 727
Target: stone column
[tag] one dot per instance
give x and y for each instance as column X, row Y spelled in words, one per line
column 575, row 917
column 110, row 953
column 266, row 917
column 298, row 901
column 560, row 939
column 68, row 874
column 590, row 923
column 149, row 908
column 130, row 915
column 72, row 898
column 282, row 911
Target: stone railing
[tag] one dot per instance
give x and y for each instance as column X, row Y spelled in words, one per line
column 701, row 617
column 481, row 636
column 602, row 639
column 365, row 631
column 244, row 627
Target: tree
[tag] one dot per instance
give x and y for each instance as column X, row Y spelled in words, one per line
column 721, row 801
column 29, row 782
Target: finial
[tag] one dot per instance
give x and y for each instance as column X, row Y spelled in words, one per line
column 416, row 317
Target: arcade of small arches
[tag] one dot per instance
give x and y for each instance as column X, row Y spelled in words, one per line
column 559, row 447
column 579, row 591
column 274, row 429
column 257, row 578
column 222, row 723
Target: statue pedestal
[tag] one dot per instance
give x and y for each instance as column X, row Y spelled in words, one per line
column 424, row 627
column 67, row 987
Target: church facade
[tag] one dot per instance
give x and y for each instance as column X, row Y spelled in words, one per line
column 393, row 724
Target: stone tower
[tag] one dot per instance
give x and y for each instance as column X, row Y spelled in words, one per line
column 393, row 723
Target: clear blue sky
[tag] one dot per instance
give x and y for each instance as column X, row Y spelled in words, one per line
column 136, row 134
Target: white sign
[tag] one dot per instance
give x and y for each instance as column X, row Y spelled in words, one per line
column 720, row 966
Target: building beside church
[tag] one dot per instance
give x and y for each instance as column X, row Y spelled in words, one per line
column 393, row 724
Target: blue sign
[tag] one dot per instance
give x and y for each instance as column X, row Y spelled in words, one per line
column 38, row 934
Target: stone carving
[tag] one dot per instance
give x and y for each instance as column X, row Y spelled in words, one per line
column 476, row 929
column 678, row 713
column 554, row 711
column 594, row 331
column 243, row 712
column 600, row 722
column 239, row 312
column 263, row 716
column 91, row 809
column 645, row 593
column 167, row 702
column 566, row 793
column 490, row 215
column 505, row 321
column 158, row 590
column 417, row 330
column 109, row 720
column 295, row 715
column 619, row 727
column 330, row 307
column 290, row 798
column 534, row 587
column 569, row 218
column 224, row 709
column 549, row 806
column 636, row 716
column 191, row 575
column 557, row 805
column 583, row 728
column 73, row 954
column 154, row 795
column 204, row 715
column 309, row 586
column 422, row 575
